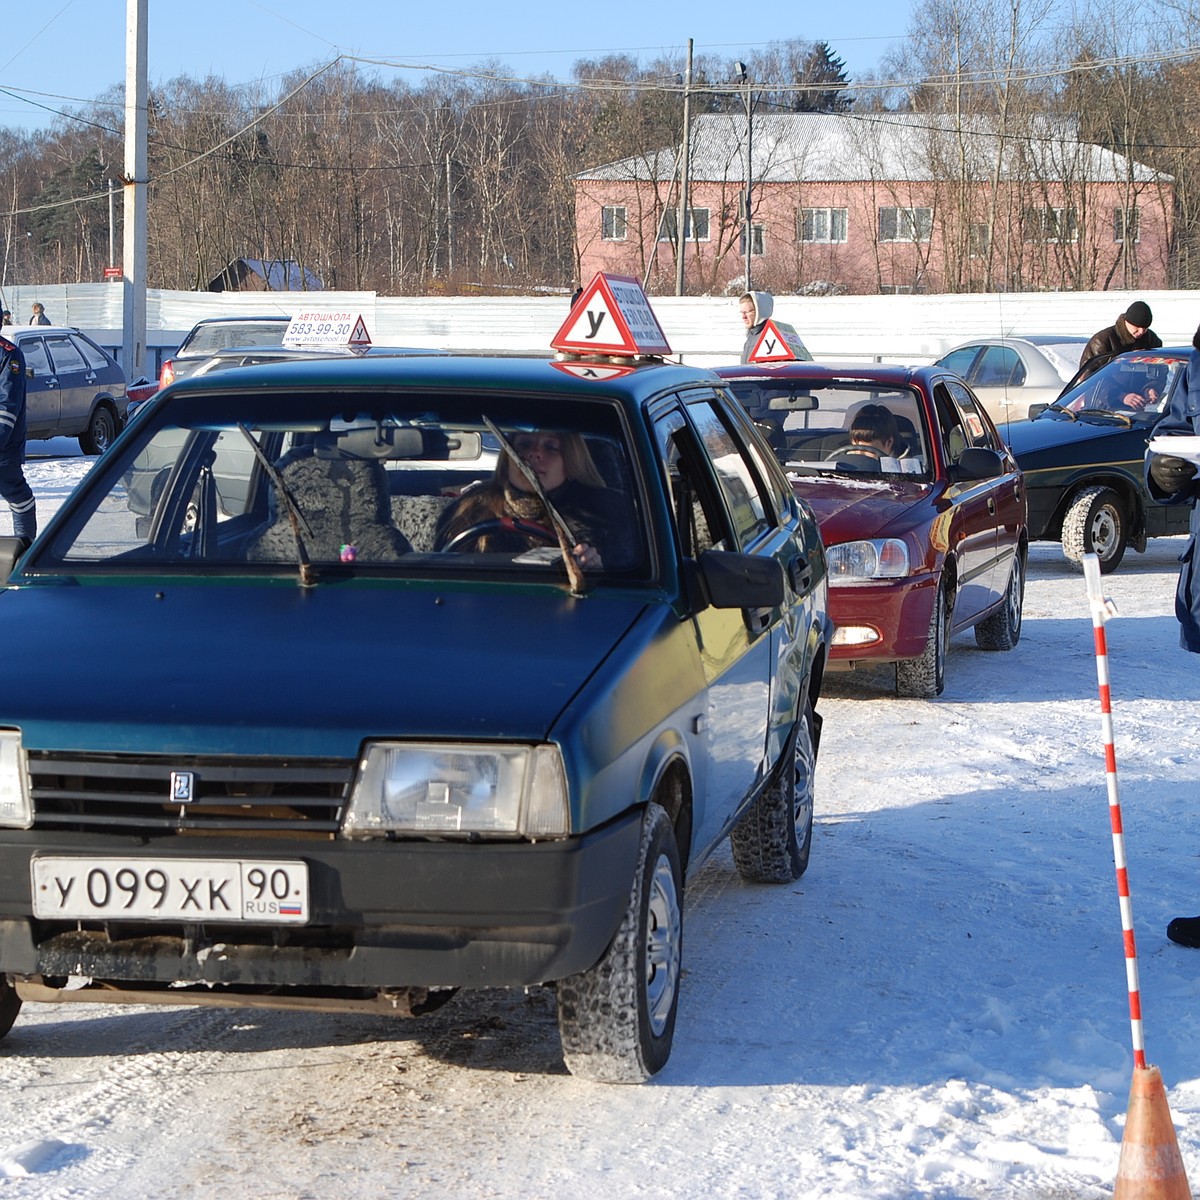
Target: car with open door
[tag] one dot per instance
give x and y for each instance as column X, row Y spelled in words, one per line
column 1083, row 459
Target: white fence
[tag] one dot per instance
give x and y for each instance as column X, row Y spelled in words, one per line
column 700, row 329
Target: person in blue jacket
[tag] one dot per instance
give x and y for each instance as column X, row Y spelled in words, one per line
column 13, row 485
column 1172, row 480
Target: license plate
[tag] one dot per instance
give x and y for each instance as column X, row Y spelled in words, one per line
column 171, row 889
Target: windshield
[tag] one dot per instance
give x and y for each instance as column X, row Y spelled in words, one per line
column 837, row 429
column 325, row 485
column 1130, row 384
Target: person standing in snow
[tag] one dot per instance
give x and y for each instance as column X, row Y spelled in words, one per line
column 756, row 309
column 1172, row 480
column 13, row 485
column 1130, row 331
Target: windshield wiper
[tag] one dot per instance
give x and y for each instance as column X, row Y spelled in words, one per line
column 566, row 539
column 1115, row 414
column 308, row 573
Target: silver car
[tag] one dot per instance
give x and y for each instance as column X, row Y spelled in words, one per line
column 1008, row 374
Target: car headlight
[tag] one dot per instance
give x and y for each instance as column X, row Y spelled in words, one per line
column 878, row 558
column 446, row 788
column 16, row 811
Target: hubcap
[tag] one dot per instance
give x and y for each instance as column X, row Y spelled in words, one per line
column 663, row 937
column 1105, row 532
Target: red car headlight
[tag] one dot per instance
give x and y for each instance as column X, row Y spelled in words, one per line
column 875, row 558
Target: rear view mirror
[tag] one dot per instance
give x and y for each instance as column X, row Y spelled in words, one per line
column 798, row 402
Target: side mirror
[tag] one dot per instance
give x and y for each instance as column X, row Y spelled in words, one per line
column 732, row 580
column 977, row 462
column 1036, row 410
column 11, row 549
column 30, row 372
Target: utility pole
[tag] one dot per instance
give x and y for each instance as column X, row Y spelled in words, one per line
column 742, row 75
column 684, row 174
column 133, row 345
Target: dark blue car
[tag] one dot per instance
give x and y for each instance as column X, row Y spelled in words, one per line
column 373, row 741
column 1083, row 456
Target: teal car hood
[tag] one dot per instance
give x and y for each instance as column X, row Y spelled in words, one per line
column 241, row 668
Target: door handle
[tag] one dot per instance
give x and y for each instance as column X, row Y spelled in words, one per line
column 799, row 572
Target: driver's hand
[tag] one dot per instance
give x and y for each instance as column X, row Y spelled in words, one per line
column 1135, row 400
column 1170, row 473
column 588, row 557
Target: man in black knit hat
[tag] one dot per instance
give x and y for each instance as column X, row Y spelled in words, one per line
column 1130, row 331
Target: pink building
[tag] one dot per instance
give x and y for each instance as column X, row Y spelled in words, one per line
column 881, row 202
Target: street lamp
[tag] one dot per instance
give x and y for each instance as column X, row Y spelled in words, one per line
column 742, row 75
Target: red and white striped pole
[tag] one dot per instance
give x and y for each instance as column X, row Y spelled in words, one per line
column 1102, row 609
column 1150, row 1166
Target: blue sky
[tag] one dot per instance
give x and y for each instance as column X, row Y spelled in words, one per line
column 64, row 52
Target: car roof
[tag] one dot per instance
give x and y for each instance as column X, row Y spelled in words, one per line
column 305, row 353
column 894, row 374
column 437, row 372
column 280, row 317
column 25, row 330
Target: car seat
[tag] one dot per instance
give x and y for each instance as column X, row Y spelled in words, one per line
column 341, row 503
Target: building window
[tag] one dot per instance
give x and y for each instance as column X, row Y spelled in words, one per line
column 979, row 240
column 757, row 241
column 1125, row 225
column 695, row 228
column 823, row 224
column 612, row 223
column 905, row 224
column 1050, row 225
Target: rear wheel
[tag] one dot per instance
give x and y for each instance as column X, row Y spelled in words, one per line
column 773, row 839
column 924, row 677
column 1002, row 630
column 617, row 1020
column 101, row 430
column 1096, row 523
column 10, row 1005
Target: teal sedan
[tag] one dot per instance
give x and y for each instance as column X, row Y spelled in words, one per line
column 436, row 674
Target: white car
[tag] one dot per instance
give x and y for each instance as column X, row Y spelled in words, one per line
column 1009, row 374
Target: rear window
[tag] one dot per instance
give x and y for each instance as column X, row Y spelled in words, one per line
column 205, row 339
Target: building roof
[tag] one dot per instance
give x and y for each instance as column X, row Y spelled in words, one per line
column 279, row 275
column 836, row 147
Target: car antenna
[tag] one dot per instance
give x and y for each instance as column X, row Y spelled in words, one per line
column 308, row 574
column 566, row 539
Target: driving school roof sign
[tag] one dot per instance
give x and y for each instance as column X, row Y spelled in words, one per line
column 323, row 328
column 612, row 316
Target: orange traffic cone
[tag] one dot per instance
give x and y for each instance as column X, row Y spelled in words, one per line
column 1150, row 1167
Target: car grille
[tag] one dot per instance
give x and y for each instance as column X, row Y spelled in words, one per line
column 119, row 793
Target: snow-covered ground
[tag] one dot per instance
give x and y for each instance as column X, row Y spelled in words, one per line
column 937, row 1009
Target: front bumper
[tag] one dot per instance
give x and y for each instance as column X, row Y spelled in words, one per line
column 384, row 915
column 897, row 610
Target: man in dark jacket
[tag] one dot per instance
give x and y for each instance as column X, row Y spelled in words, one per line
column 13, row 485
column 1130, row 331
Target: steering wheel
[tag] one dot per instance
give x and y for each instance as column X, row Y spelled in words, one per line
column 531, row 529
column 857, row 458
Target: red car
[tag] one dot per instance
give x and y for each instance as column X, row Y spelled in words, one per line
column 921, row 507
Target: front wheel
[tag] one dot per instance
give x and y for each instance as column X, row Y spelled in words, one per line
column 1096, row 523
column 924, row 677
column 773, row 839
column 617, row 1019
column 101, row 430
